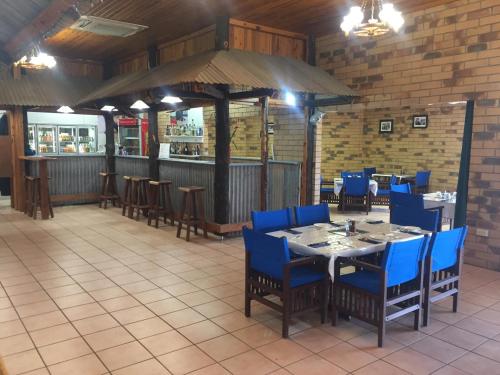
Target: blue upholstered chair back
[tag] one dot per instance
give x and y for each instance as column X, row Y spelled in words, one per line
column 445, row 248
column 308, row 215
column 401, row 260
column 425, row 219
column 267, row 254
column 403, row 188
column 356, row 186
column 407, row 200
column 422, row 178
column 369, row 171
column 270, row 221
column 394, row 180
column 345, row 174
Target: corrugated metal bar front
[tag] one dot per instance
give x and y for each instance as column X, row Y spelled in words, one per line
column 190, row 173
column 244, row 191
column 73, row 179
column 130, row 166
column 284, row 184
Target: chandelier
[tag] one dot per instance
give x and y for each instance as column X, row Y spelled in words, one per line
column 388, row 18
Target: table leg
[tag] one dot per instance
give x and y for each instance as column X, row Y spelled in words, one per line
column 44, row 189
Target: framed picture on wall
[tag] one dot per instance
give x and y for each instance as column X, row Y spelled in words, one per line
column 386, row 126
column 420, row 121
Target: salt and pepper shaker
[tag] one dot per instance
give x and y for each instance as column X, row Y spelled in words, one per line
column 352, row 227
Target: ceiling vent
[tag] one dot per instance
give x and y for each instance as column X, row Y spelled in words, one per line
column 107, row 27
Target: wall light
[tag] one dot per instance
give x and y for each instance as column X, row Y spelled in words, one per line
column 290, row 99
column 140, row 105
column 171, row 99
column 65, row 109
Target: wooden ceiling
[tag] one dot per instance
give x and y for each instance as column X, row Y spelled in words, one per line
column 170, row 19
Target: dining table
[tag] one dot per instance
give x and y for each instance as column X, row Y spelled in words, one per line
column 448, row 202
column 332, row 240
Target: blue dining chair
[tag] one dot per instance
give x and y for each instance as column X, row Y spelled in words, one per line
column 368, row 293
column 422, row 182
column 301, row 284
column 356, row 190
column 413, row 202
column 345, row 174
column 308, row 215
column 270, row 221
column 402, row 188
column 425, row 219
column 327, row 191
column 369, row 171
column 443, row 266
column 383, row 194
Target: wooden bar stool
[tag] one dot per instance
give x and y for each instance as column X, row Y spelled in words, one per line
column 29, row 182
column 160, row 202
column 192, row 210
column 138, row 198
column 36, row 197
column 127, row 192
column 108, row 190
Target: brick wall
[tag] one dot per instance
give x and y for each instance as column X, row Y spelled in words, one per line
column 444, row 54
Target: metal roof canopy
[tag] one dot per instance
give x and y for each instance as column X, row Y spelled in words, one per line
column 45, row 89
column 235, row 68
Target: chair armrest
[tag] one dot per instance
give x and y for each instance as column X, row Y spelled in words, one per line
column 305, row 261
column 359, row 263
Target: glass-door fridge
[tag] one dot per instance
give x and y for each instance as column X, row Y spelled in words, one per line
column 87, row 139
column 67, row 140
column 130, row 139
column 32, row 137
column 47, row 139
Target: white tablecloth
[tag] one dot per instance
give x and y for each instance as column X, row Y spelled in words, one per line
column 432, row 200
column 340, row 245
column 339, row 182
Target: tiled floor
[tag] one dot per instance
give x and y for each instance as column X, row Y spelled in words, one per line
column 92, row 292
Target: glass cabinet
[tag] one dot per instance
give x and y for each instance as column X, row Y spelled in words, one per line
column 32, row 137
column 67, row 140
column 87, row 140
column 46, row 139
column 130, row 139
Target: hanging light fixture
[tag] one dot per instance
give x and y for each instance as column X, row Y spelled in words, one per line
column 140, row 105
column 65, row 109
column 109, row 108
column 171, row 99
column 388, row 18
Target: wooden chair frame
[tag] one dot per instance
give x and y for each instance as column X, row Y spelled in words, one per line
column 372, row 308
column 298, row 299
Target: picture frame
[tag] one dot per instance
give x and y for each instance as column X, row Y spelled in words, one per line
column 386, row 126
column 420, row 121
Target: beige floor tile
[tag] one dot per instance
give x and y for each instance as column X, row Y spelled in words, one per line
column 249, row 363
column 88, row 365
column 315, row 340
column 73, row 300
column 223, row 347
column 64, row 351
column 284, row 352
column 413, row 362
column 149, row 367
column 108, row 338
column 183, row 318
column 459, row 337
column 369, row 343
column 148, row 327
column 472, row 363
column 152, row 295
column 403, row 334
column 214, row 308
column 108, row 293
column 380, row 368
column 165, row 342
column 344, row 330
column 83, row 311
column 185, row 360
column 132, row 315
column 139, row 286
column 65, row 290
column 196, row 298
column 490, row 349
column 233, row 321
column 119, row 303
column 438, row 349
column 95, row 323
column 314, row 365
column 8, row 314
column 123, row 355
column 36, row 308
column 449, row 370
column 347, row 357
column 489, row 315
column 40, row 371
column 23, row 362
column 201, row 331
column 181, row 288
column 223, row 291
column 166, row 306
column 257, row 335
column 11, row 328
column 15, row 344
column 54, row 334
column 214, row 369
column 50, row 319
column 24, row 299
column 479, row 326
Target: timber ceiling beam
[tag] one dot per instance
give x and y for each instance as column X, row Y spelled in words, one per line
column 42, row 24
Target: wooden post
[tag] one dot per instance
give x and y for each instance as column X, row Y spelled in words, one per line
column 264, row 153
column 16, row 133
column 222, row 33
column 222, row 159
column 305, row 160
column 153, row 144
column 110, row 142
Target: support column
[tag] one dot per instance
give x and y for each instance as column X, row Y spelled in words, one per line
column 110, row 142
column 264, row 153
column 153, row 144
column 222, row 159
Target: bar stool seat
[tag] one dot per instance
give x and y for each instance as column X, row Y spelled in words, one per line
column 139, row 196
column 109, row 190
column 160, row 202
column 192, row 210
